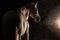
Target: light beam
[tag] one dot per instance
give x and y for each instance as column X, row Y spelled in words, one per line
column 57, row 22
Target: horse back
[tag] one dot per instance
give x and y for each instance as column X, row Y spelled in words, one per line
column 9, row 22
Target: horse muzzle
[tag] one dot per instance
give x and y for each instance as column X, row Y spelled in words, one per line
column 37, row 19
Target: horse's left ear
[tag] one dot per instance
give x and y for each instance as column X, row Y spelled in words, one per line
column 36, row 4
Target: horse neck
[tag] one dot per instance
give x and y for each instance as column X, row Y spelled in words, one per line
column 24, row 14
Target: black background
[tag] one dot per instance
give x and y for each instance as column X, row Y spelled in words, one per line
column 38, row 31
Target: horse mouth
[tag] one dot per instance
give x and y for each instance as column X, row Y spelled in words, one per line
column 37, row 21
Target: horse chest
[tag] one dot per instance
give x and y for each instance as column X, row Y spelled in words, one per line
column 24, row 24
column 24, row 27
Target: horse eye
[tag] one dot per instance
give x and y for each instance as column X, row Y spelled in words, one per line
column 33, row 5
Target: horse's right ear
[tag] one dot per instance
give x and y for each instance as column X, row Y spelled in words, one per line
column 36, row 4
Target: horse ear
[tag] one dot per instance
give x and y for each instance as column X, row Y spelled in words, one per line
column 36, row 4
column 32, row 3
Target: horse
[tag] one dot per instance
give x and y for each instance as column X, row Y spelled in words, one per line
column 27, row 11
column 23, row 14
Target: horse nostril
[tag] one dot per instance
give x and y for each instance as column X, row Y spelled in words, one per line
column 38, row 18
